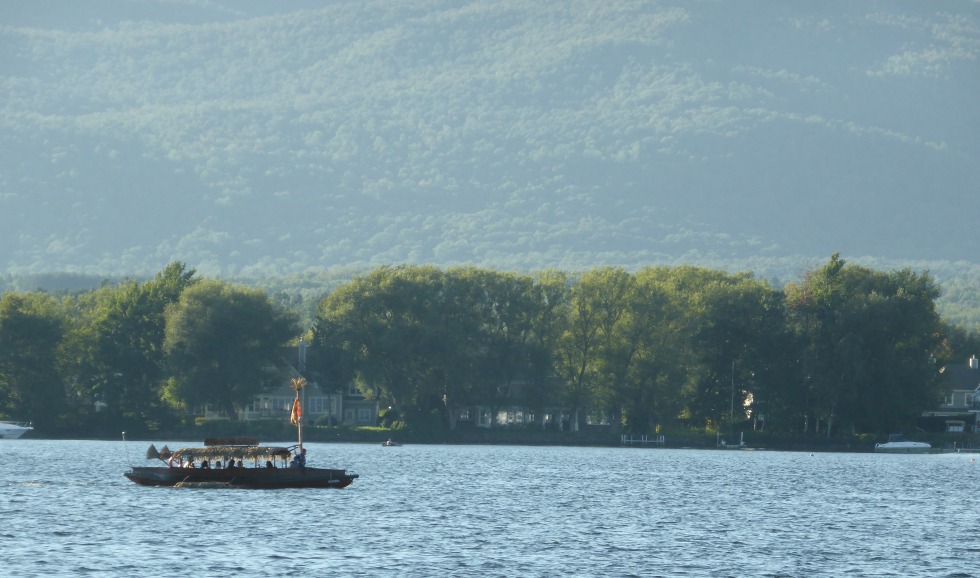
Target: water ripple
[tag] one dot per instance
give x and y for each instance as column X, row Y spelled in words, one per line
column 498, row 511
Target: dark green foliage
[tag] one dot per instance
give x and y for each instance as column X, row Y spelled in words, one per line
column 117, row 351
column 31, row 332
column 868, row 344
column 843, row 349
column 223, row 345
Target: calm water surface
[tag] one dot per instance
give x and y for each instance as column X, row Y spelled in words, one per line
column 66, row 510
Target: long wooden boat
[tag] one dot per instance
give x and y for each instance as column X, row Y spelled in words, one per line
column 255, row 466
column 240, row 463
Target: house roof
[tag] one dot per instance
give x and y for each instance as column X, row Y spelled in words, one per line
column 962, row 376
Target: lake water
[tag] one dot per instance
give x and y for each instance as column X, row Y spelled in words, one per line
column 66, row 510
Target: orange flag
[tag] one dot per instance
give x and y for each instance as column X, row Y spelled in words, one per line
column 296, row 413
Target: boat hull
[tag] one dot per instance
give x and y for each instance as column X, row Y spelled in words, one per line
column 9, row 431
column 903, row 449
column 252, row 478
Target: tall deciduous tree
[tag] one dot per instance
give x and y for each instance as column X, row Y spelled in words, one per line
column 387, row 324
column 549, row 302
column 736, row 332
column 224, row 345
column 870, row 342
column 655, row 353
column 31, row 332
column 594, row 302
column 118, row 359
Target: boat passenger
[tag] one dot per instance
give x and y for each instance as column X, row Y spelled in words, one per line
column 268, row 464
column 190, row 464
column 205, row 465
column 217, row 464
column 239, row 464
column 294, row 463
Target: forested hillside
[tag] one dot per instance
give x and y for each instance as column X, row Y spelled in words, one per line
column 254, row 139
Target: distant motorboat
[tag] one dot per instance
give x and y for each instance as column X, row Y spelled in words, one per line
column 389, row 444
column 897, row 444
column 10, row 430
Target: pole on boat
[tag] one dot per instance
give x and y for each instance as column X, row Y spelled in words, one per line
column 296, row 416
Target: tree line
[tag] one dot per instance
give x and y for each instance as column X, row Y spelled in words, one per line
column 842, row 349
column 137, row 355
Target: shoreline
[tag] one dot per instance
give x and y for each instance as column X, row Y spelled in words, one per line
column 942, row 444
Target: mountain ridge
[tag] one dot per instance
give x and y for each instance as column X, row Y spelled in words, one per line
column 250, row 140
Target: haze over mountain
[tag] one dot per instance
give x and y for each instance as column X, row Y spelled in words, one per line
column 264, row 138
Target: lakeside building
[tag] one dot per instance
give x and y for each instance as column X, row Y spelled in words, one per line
column 959, row 410
column 347, row 406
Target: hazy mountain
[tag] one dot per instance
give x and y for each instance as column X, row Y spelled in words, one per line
column 262, row 138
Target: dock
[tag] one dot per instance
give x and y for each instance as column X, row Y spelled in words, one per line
column 643, row 440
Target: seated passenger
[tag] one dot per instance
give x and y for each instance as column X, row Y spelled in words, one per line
column 269, row 465
column 189, row 464
column 205, row 465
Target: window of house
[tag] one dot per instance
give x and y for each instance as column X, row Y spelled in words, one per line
column 948, row 400
column 348, row 415
column 363, row 415
column 464, row 414
column 352, row 389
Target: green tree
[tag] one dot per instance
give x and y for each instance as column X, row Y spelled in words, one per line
column 388, row 325
column 549, row 304
column 870, row 340
column 653, row 346
column 502, row 308
column 117, row 346
column 616, row 338
column 32, row 326
column 736, row 337
column 224, row 345
column 594, row 301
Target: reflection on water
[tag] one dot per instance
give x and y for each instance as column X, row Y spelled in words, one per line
column 499, row 511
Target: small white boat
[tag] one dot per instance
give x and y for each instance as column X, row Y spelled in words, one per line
column 10, row 430
column 897, row 444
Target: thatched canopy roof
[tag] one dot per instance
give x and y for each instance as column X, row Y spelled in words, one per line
column 220, row 452
column 237, row 452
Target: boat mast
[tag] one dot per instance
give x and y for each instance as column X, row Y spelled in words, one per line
column 296, row 416
column 301, row 367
